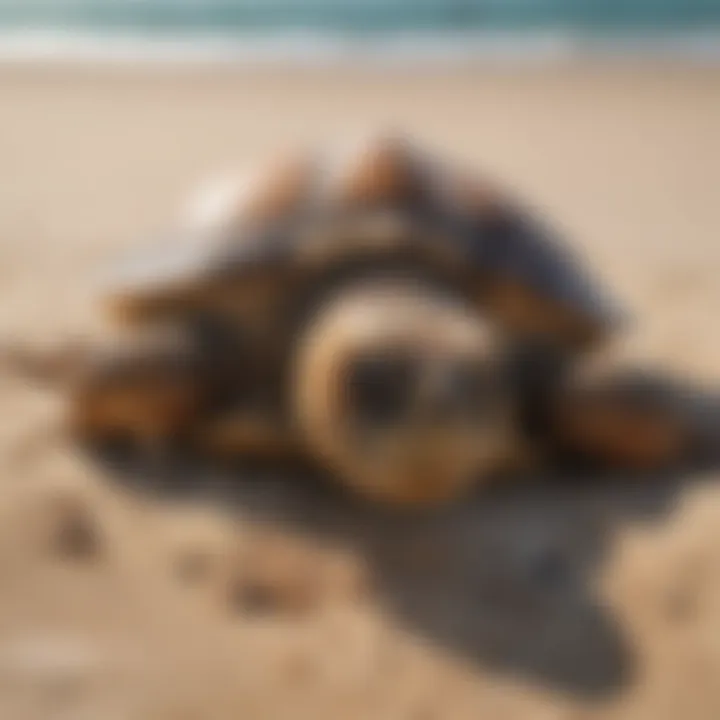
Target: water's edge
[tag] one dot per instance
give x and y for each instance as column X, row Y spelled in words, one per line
column 312, row 47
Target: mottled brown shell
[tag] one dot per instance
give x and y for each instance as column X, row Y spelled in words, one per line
column 382, row 201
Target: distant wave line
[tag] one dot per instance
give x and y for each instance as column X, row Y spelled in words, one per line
column 331, row 47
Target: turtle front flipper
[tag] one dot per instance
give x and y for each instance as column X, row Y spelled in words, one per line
column 144, row 390
column 634, row 420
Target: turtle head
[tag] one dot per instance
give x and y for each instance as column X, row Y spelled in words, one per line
column 399, row 388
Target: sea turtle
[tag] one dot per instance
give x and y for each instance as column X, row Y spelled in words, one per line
column 392, row 318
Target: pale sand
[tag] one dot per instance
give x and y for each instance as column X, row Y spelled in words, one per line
column 459, row 620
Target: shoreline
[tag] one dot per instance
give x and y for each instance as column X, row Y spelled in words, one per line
column 559, row 46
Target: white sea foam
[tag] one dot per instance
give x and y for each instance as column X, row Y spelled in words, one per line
column 322, row 48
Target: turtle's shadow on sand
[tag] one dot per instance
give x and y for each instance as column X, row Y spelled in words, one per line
column 506, row 578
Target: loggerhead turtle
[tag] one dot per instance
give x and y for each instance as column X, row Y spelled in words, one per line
column 393, row 319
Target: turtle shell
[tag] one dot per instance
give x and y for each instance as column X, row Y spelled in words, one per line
column 381, row 202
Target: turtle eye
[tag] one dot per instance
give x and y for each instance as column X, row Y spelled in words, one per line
column 381, row 388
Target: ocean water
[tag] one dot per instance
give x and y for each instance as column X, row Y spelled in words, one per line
column 326, row 28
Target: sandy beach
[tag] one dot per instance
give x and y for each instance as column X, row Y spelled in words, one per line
column 558, row 603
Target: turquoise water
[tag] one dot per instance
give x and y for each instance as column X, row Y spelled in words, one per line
column 356, row 16
column 364, row 30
